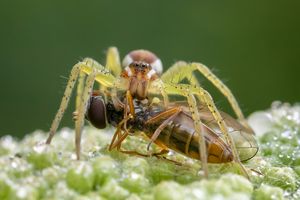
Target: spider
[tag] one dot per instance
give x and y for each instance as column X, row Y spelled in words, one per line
column 140, row 77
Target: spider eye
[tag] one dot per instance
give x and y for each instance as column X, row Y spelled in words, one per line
column 96, row 112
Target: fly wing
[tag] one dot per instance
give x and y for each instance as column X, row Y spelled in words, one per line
column 245, row 144
column 243, row 137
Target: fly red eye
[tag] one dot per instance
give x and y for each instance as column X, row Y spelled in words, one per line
column 96, row 112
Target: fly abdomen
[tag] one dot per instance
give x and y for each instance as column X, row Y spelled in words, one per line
column 180, row 136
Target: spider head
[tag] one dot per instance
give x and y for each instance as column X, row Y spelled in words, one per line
column 141, row 67
column 140, row 71
column 142, row 59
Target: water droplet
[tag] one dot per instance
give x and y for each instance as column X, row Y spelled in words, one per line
column 134, row 175
column 287, row 134
column 22, row 192
column 73, row 156
column 14, row 165
column 39, row 148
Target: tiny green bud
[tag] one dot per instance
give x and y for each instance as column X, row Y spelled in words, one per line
column 80, row 177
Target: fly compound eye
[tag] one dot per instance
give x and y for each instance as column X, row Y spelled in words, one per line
column 96, row 112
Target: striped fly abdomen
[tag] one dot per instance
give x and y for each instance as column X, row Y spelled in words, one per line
column 180, row 136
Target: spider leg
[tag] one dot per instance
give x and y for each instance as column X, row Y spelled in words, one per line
column 187, row 90
column 160, row 85
column 82, row 110
column 86, row 66
column 168, row 88
column 199, row 130
column 113, row 61
column 82, row 75
column 64, row 102
column 87, row 92
column 181, row 70
column 113, row 65
column 80, row 87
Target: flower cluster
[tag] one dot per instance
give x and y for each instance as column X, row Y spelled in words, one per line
column 33, row 170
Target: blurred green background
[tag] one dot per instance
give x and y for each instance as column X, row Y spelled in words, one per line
column 254, row 47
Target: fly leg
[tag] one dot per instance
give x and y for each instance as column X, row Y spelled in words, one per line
column 158, row 155
column 118, row 138
column 170, row 114
column 123, row 123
